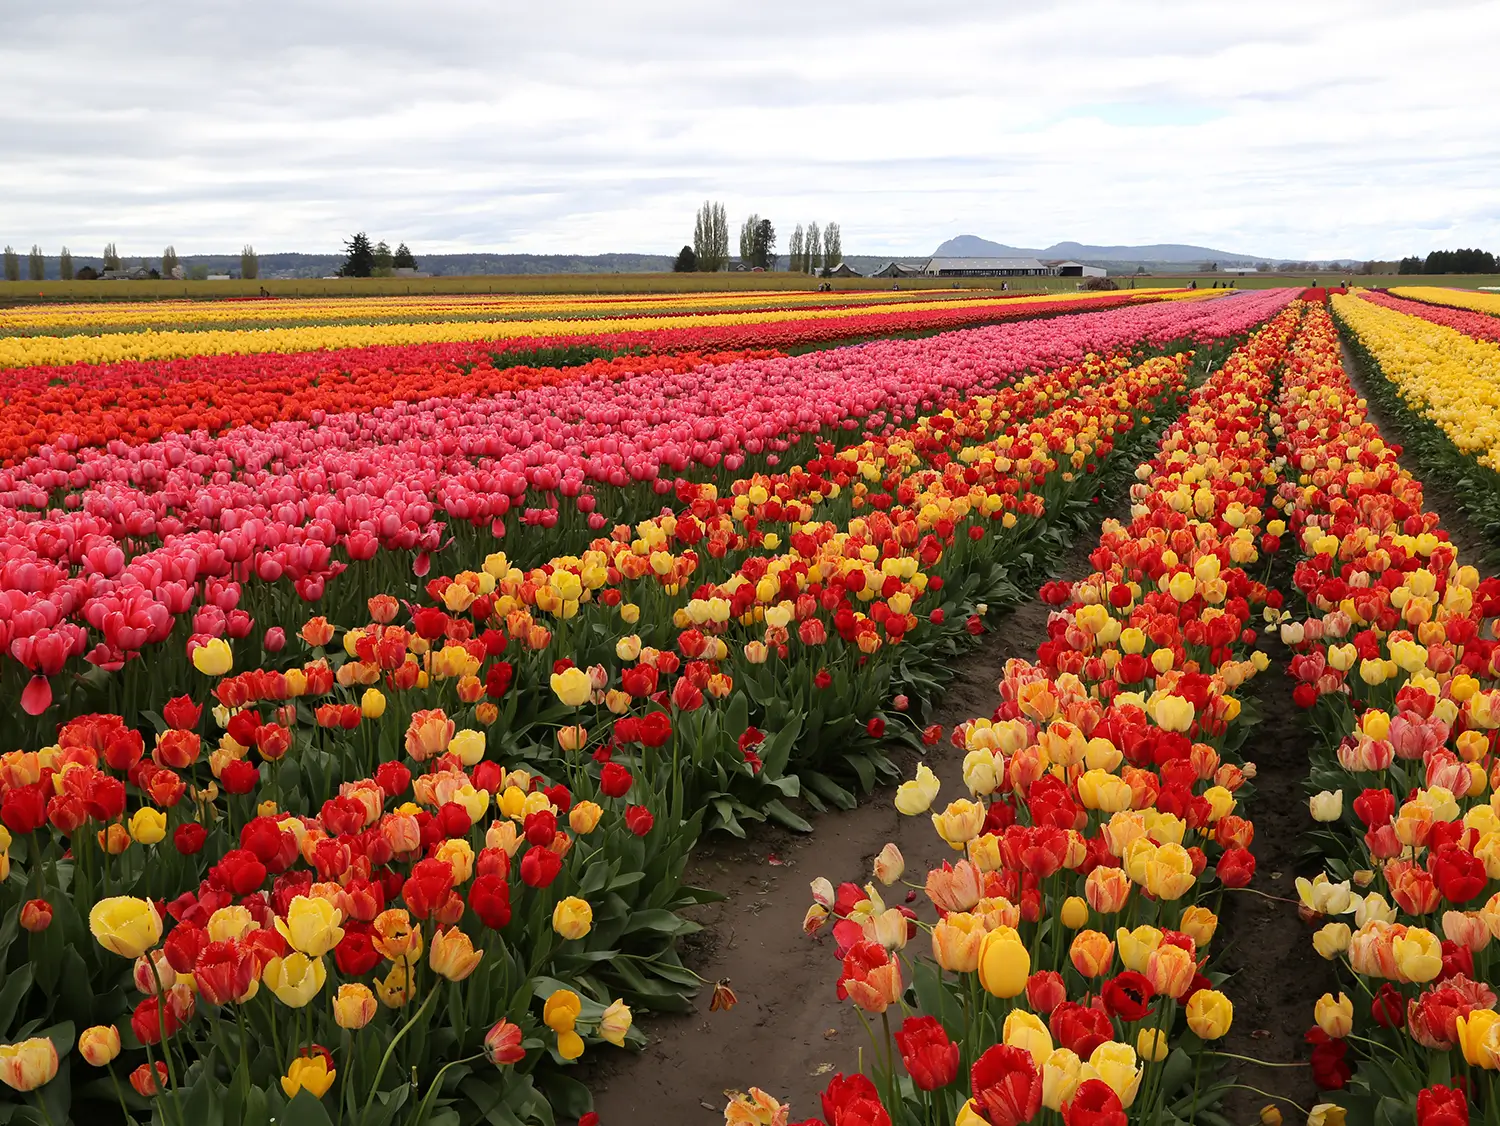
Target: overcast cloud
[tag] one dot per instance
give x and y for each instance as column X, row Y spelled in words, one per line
column 1291, row 129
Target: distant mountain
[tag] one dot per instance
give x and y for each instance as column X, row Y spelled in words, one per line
column 972, row 246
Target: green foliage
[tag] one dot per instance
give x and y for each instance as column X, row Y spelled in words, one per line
column 796, row 251
column 711, row 238
column 36, row 265
column 249, row 263
column 65, row 264
column 686, row 261
column 169, row 261
column 814, row 251
column 384, row 260
column 833, row 246
column 360, row 262
column 12, row 265
column 403, row 259
column 111, row 257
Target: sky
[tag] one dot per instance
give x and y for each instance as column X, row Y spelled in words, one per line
column 1306, row 129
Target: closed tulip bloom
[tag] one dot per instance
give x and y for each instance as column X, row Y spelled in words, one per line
column 452, row 955
column 1327, row 805
column 372, row 703
column 295, row 979
column 959, row 823
column 1209, row 1014
column 148, row 826
column 308, row 1073
column 1199, row 924
column 1115, row 1064
column 353, row 1006
column 1418, row 954
column 1136, row 946
column 1331, row 940
column 125, row 925
column 1170, row 970
column 1101, row 790
column 1026, row 1030
column 572, row 686
column 561, row 1009
column 502, row 1044
column 1092, row 953
column 1151, row 1045
column 1477, row 1037
column 214, row 657
column 468, row 745
column 572, row 917
column 311, row 926
column 1169, row 873
column 615, row 1023
column 99, row 1045
column 1335, row 1017
column 890, row 865
column 1074, row 913
column 1061, row 1074
column 955, row 942
column 1107, row 889
column 29, row 1064
column 1004, row 963
column 36, row 915
column 584, row 817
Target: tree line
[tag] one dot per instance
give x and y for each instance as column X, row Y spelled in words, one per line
column 809, row 250
column 365, row 261
column 1449, row 262
column 171, row 265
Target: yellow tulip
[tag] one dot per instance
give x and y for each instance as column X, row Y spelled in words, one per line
column 1209, row 1014
column 308, row 1073
column 1475, row 1035
column 29, row 1064
column 452, row 955
column 615, row 1023
column 1026, row 1030
column 1151, row 1045
column 148, row 826
column 1115, row 1063
column 572, row 687
column 99, row 1045
column 353, row 1006
column 311, row 926
column 1335, row 1017
column 125, row 925
column 1004, row 963
column 214, row 657
column 572, row 917
column 295, row 979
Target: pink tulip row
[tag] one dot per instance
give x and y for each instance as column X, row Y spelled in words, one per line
column 102, row 550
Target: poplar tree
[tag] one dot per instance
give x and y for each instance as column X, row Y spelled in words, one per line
column 36, row 265
column 814, row 248
column 833, row 251
column 65, row 264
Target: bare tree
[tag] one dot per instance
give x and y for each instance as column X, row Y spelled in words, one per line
column 711, row 238
column 111, row 257
column 65, row 264
column 249, row 263
column 795, row 251
column 814, row 248
column 169, row 262
column 747, row 241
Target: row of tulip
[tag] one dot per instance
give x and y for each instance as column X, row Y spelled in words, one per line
column 218, row 821
column 1439, row 387
column 1454, row 298
column 774, row 324
column 1102, row 794
column 31, row 320
column 1481, row 326
column 108, row 551
column 1395, row 657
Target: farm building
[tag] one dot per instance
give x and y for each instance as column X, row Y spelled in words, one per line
column 900, row 270
column 966, row 268
column 1078, row 270
column 842, row 270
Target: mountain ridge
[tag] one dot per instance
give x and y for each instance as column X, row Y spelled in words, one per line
column 972, row 246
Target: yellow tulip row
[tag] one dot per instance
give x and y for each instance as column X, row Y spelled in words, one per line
column 183, row 313
column 1450, row 378
column 1454, row 298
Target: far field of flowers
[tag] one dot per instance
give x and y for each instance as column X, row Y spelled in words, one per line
column 376, row 666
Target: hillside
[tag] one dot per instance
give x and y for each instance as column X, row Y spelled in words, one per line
column 972, row 246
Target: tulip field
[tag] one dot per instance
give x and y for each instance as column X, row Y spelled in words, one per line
column 378, row 669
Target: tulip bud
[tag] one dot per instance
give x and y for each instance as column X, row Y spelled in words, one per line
column 99, row 1045
column 1327, row 805
column 1335, row 1017
column 353, row 1006
column 36, row 915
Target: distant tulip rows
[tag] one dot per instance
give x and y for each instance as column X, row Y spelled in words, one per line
column 110, row 552
column 1481, row 326
column 701, row 330
column 1102, row 812
column 330, row 850
column 1450, row 378
column 1455, row 298
column 1395, row 655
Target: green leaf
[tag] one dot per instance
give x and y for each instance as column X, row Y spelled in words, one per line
column 16, row 985
column 305, row 1109
column 666, row 922
column 784, row 816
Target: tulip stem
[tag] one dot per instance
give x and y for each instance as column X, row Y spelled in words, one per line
column 1258, row 1063
column 1298, row 1107
column 41, row 1104
column 391, row 1047
column 432, row 1088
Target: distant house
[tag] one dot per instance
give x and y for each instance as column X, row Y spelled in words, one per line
column 1078, row 270
column 408, row 272
column 126, row 273
column 900, row 270
column 843, row 270
column 1241, row 270
column 218, row 277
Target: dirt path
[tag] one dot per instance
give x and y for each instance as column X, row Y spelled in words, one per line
column 790, row 1033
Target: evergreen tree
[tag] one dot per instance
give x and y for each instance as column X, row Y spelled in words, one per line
column 686, row 261
column 249, row 263
column 36, row 265
column 404, row 259
column 65, row 264
column 360, row 262
column 111, row 257
column 814, row 248
column 796, row 258
column 833, row 250
column 169, row 261
column 12, row 265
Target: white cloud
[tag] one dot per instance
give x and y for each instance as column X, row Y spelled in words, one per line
column 1293, row 129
